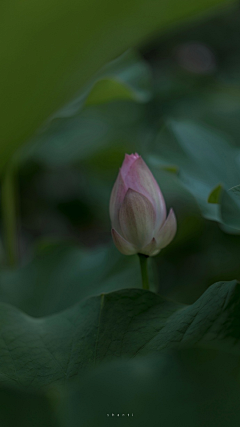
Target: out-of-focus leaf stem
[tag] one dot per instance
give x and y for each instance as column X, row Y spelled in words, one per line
column 9, row 215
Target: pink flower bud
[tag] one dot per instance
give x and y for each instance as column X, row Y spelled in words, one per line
column 138, row 210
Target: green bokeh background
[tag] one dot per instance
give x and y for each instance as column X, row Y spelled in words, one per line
column 170, row 88
column 67, row 172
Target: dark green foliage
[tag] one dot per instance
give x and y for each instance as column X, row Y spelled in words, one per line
column 79, row 339
column 45, row 351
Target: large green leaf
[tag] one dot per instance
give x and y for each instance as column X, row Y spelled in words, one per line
column 183, row 388
column 127, row 77
column 39, row 352
column 93, row 133
column 205, row 160
column 72, row 135
column 62, row 273
column 229, row 208
column 49, row 49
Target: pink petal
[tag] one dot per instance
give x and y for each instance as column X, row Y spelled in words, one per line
column 151, row 249
column 141, row 179
column 127, row 163
column 167, row 232
column 122, row 245
column 137, row 219
column 118, row 193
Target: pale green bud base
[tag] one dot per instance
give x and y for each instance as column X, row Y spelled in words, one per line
column 144, row 270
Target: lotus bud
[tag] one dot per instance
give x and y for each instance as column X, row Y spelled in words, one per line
column 138, row 211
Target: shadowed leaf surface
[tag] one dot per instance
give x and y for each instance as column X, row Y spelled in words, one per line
column 126, row 323
column 182, row 388
column 61, row 274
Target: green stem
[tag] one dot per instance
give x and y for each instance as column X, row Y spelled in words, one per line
column 144, row 270
column 9, row 216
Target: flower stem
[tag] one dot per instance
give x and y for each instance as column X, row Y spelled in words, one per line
column 144, row 270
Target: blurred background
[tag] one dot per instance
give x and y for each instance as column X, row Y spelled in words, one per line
column 64, row 176
column 174, row 100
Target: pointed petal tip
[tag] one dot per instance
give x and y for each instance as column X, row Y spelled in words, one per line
column 133, row 156
column 131, row 192
column 167, row 231
column 129, row 159
column 122, row 244
column 151, row 248
column 173, row 216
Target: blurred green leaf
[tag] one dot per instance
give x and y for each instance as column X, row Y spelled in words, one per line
column 215, row 194
column 38, row 352
column 72, row 135
column 107, row 90
column 61, row 274
column 49, row 49
column 230, row 207
column 204, row 157
column 93, row 133
column 182, row 388
column 236, row 191
column 127, row 77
